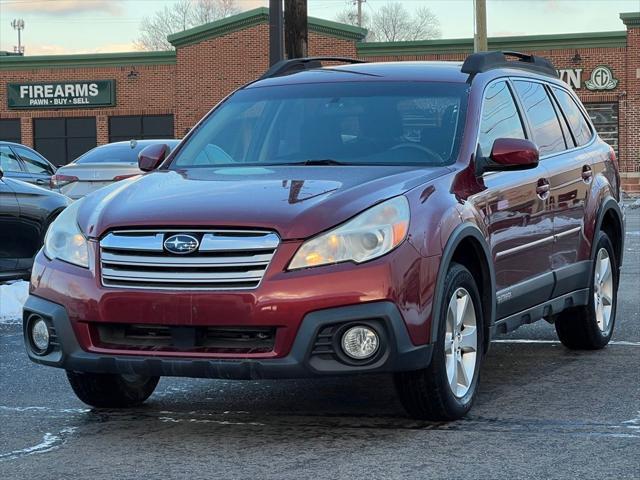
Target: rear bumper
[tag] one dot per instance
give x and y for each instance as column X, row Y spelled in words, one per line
column 397, row 352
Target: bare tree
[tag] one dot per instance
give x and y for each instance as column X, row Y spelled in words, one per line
column 349, row 16
column 180, row 16
column 392, row 23
column 426, row 25
column 205, row 11
column 155, row 28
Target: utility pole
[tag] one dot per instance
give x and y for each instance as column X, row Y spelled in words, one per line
column 480, row 39
column 360, row 2
column 296, row 31
column 18, row 25
column 275, row 32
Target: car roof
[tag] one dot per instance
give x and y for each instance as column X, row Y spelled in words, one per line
column 138, row 142
column 410, row 71
column 14, row 144
column 375, row 71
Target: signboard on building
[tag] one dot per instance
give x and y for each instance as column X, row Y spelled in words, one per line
column 601, row 78
column 92, row 93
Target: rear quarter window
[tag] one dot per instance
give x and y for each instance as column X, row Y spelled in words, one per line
column 579, row 126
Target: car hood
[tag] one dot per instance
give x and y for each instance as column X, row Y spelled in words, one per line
column 296, row 201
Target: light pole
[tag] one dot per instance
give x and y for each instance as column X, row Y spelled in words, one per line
column 18, row 25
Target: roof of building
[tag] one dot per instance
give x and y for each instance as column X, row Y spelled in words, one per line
column 630, row 19
column 519, row 43
column 88, row 60
column 259, row 16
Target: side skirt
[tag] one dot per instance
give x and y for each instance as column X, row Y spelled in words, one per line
column 543, row 310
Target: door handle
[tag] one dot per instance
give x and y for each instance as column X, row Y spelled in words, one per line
column 587, row 173
column 543, row 188
column 41, row 181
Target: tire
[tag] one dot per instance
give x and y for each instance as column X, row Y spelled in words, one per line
column 104, row 390
column 586, row 327
column 427, row 394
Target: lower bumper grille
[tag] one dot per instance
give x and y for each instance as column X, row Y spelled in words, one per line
column 186, row 339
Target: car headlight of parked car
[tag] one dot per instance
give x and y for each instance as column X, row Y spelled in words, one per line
column 65, row 241
column 369, row 235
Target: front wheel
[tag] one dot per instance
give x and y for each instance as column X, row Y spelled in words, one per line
column 107, row 390
column 590, row 327
column 447, row 388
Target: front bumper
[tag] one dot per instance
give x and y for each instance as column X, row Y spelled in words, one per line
column 397, row 352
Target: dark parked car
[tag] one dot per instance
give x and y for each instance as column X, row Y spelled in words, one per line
column 24, row 163
column 26, row 211
column 374, row 217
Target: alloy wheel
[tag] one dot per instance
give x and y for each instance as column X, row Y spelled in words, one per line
column 603, row 290
column 461, row 342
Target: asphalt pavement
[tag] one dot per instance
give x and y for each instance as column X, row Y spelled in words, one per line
column 543, row 412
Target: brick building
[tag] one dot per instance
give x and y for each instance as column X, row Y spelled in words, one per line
column 107, row 97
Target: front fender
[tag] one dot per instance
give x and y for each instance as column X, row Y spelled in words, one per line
column 466, row 231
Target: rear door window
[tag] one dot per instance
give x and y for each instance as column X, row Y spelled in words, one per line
column 8, row 161
column 33, row 162
column 579, row 125
column 500, row 118
column 546, row 130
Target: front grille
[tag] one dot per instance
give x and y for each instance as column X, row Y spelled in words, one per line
column 225, row 260
column 186, row 339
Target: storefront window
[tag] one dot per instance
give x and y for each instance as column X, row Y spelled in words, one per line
column 140, row 127
column 62, row 140
column 10, row 130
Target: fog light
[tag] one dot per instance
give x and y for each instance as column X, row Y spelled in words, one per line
column 40, row 336
column 360, row 342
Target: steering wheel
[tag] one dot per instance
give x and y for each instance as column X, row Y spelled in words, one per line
column 422, row 148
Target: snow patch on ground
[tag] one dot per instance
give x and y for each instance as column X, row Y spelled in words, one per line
column 12, row 298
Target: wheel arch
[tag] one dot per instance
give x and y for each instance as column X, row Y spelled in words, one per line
column 610, row 219
column 466, row 245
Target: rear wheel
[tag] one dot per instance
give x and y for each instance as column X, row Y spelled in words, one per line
column 446, row 389
column 106, row 390
column 590, row 327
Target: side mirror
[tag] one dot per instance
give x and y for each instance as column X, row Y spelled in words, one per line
column 508, row 154
column 152, row 156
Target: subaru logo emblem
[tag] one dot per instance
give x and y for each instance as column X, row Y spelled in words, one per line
column 181, row 244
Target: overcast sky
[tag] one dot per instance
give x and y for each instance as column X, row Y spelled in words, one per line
column 87, row 26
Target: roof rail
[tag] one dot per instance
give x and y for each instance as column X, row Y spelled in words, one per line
column 484, row 61
column 293, row 65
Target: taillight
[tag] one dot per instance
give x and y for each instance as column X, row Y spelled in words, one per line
column 59, row 181
column 612, row 156
column 122, row 177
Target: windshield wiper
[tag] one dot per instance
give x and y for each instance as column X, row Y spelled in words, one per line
column 317, row 161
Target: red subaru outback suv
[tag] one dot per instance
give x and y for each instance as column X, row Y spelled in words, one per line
column 339, row 220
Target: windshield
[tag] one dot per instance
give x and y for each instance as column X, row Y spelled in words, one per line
column 119, row 153
column 352, row 123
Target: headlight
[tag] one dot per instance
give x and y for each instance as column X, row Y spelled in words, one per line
column 65, row 241
column 371, row 234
